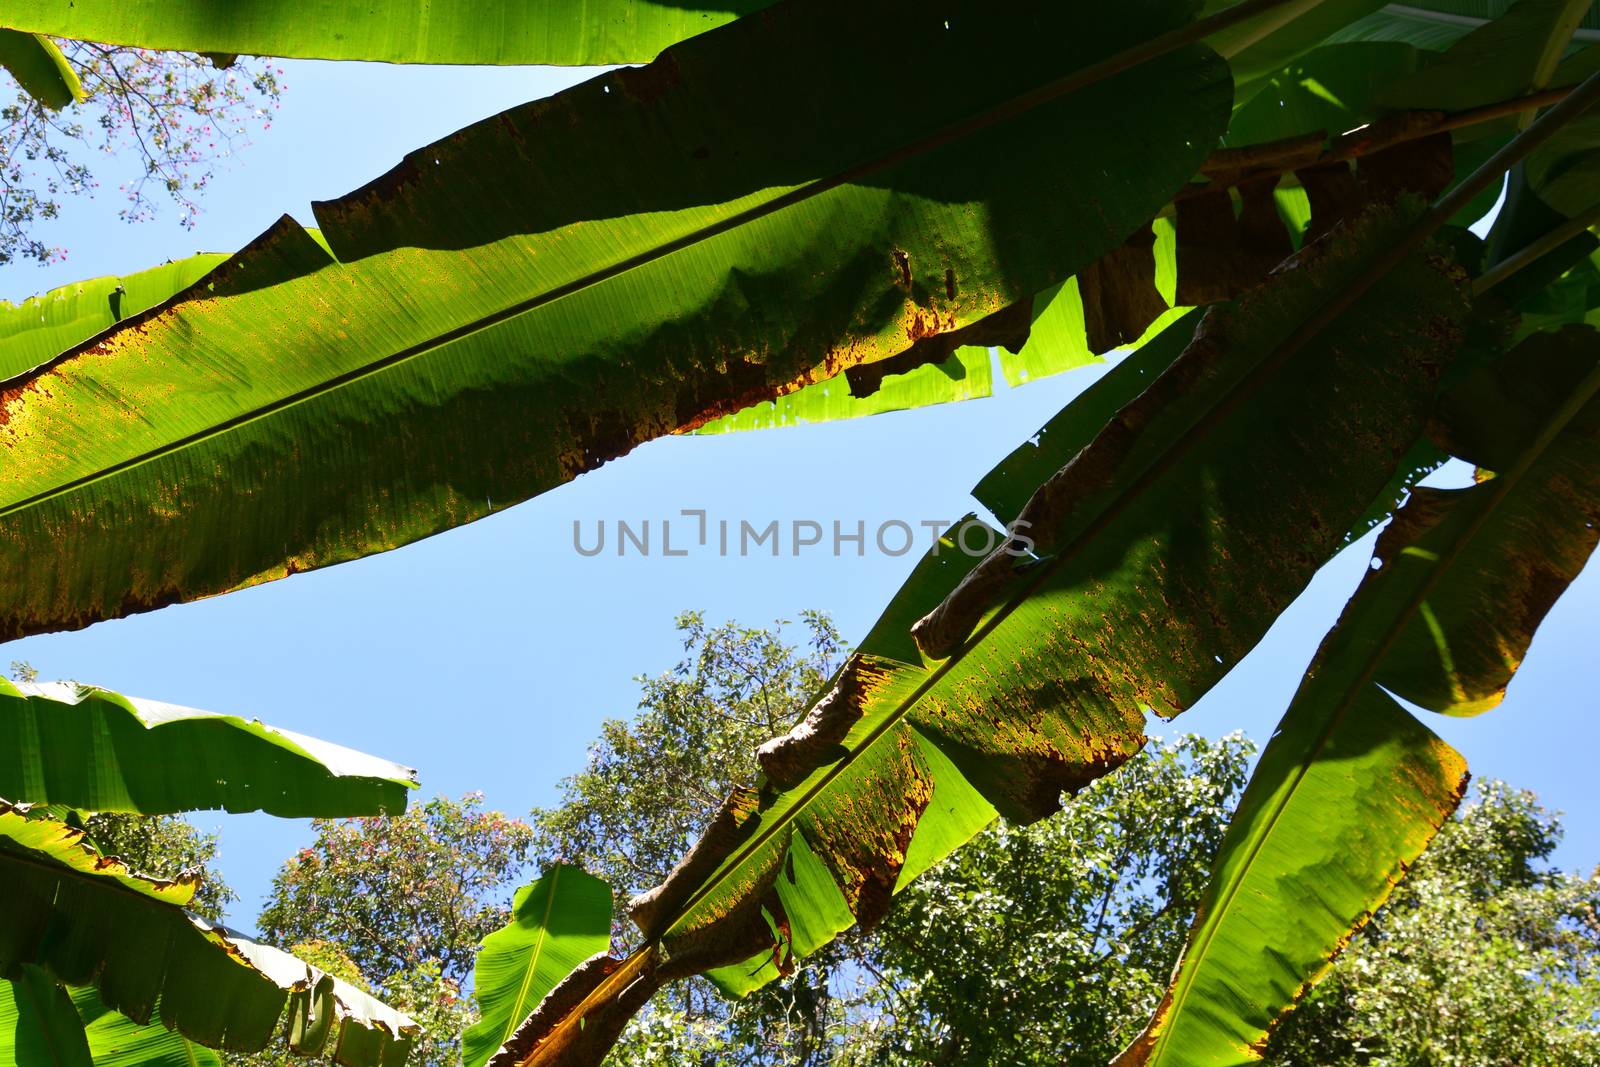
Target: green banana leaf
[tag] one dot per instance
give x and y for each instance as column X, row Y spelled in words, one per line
column 117, row 1041
column 41, row 327
column 557, row 922
column 510, row 307
column 1565, row 173
column 568, row 32
column 39, row 68
column 1513, row 55
column 1483, row 565
column 1030, row 673
column 39, row 1027
column 100, row 751
column 1436, row 25
column 1334, row 88
column 1572, row 297
column 1264, row 45
column 89, row 920
column 1352, row 786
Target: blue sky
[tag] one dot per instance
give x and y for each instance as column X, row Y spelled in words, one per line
column 488, row 656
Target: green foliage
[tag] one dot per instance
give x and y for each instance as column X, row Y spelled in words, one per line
column 432, row 1000
column 1049, row 944
column 582, row 32
column 395, row 893
column 1484, row 956
column 88, row 919
column 117, row 1041
column 499, row 320
column 63, row 743
column 39, row 69
column 1029, row 939
column 651, row 781
column 439, row 1007
column 38, row 1024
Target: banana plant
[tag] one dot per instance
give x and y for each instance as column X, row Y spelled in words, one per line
column 512, row 306
column 90, row 748
column 89, row 920
column 996, row 687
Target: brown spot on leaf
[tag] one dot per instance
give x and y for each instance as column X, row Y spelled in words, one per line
column 1007, row 327
column 901, row 261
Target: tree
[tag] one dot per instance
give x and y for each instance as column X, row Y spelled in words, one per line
column 404, row 901
column 176, row 116
column 1052, row 943
column 1485, row 956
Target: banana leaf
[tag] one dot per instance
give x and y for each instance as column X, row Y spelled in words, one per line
column 41, row 327
column 39, row 1027
column 39, row 68
column 1352, row 786
column 1054, row 337
column 1515, row 54
column 568, row 32
column 89, row 920
column 117, row 1041
column 511, row 307
column 1436, row 25
column 557, row 922
column 94, row 749
column 1259, row 48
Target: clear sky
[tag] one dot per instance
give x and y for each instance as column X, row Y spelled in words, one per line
column 488, row 656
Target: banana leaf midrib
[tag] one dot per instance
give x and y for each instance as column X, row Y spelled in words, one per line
column 1132, row 492
column 533, row 959
column 1574, row 404
column 1019, row 105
